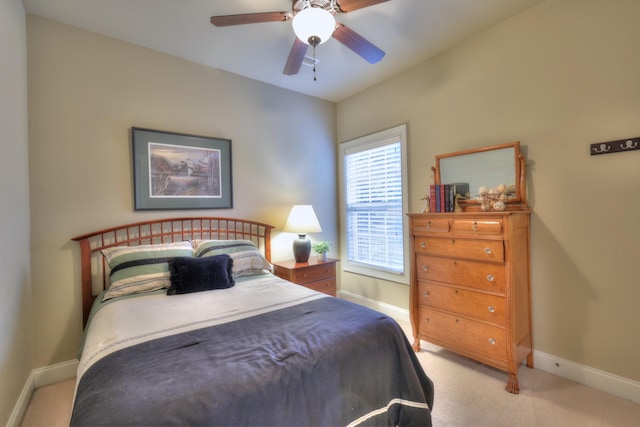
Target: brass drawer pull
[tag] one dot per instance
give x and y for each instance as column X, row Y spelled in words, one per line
column 492, row 341
column 426, row 320
column 487, row 250
column 425, row 294
column 423, row 245
column 490, row 278
column 425, row 268
column 491, row 309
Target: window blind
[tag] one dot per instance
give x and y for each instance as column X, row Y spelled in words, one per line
column 373, row 196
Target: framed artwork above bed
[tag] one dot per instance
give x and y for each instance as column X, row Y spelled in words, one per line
column 180, row 171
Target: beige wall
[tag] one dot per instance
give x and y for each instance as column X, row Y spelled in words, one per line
column 15, row 302
column 85, row 93
column 558, row 77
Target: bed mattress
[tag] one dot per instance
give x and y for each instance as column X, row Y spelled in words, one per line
column 264, row 352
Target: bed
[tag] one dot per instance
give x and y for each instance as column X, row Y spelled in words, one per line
column 186, row 325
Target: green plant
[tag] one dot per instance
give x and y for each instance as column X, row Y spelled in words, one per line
column 321, row 247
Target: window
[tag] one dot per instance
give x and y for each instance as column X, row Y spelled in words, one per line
column 373, row 205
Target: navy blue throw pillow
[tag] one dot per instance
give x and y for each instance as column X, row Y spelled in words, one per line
column 200, row 274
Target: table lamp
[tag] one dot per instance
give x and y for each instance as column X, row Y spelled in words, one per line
column 302, row 220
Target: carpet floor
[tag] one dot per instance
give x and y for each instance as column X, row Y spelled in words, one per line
column 467, row 393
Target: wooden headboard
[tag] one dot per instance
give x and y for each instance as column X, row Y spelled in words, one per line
column 95, row 274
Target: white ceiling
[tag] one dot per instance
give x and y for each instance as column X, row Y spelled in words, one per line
column 409, row 31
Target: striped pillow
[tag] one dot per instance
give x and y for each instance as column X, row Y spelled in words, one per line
column 144, row 268
column 247, row 258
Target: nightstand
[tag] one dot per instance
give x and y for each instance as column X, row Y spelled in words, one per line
column 314, row 274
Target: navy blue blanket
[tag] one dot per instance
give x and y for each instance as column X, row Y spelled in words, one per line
column 326, row 363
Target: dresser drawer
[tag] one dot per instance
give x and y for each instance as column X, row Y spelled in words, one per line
column 478, row 305
column 431, row 225
column 478, row 249
column 472, row 274
column 472, row 336
column 486, row 227
column 313, row 273
column 327, row 286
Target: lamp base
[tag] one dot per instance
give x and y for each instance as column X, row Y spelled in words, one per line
column 301, row 248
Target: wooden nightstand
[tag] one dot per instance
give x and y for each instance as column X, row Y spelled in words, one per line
column 315, row 274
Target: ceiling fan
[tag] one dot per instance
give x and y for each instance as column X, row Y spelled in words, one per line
column 314, row 23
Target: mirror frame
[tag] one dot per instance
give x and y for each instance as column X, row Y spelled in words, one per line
column 519, row 202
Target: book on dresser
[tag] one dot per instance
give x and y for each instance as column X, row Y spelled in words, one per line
column 442, row 196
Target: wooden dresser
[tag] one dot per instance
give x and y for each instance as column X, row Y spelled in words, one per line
column 470, row 286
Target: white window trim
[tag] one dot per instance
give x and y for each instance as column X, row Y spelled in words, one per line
column 398, row 132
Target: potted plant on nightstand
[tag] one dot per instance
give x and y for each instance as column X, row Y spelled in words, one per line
column 322, row 248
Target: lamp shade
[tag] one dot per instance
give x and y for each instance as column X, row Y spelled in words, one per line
column 302, row 220
column 314, row 25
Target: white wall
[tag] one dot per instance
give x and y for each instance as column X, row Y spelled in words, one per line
column 558, row 77
column 15, row 304
column 85, row 93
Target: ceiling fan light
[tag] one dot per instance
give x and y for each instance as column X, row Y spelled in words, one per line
column 314, row 23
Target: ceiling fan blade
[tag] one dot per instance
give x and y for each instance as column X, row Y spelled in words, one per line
column 249, row 18
column 351, row 5
column 296, row 56
column 358, row 44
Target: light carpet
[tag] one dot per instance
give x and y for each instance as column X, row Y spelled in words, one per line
column 467, row 393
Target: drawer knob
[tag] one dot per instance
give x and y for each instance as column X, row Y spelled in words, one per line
column 492, row 341
column 426, row 320
column 425, row 268
column 429, row 224
column 475, row 226
column 491, row 309
column 487, row 250
column 490, row 278
column 425, row 294
column 423, row 245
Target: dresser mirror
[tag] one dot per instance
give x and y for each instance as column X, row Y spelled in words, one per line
column 488, row 167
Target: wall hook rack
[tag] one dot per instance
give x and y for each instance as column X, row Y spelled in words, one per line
column 615, row 146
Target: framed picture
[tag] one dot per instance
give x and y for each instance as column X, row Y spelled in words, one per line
column 179, row 171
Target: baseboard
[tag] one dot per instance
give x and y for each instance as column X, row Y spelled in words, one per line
column 39, row 378
column 582, row 374
column 595, row 378
column 21, row 405
column 54, row 373
column 397, row 313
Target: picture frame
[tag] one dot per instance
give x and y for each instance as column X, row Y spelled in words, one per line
column 180, row 171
